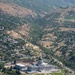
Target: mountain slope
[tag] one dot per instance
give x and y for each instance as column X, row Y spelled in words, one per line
column 15, row 10
column 42, row 6
column 59, row 35
column 23, row 33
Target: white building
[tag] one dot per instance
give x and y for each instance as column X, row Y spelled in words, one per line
column 19, row 66
column 39, row 66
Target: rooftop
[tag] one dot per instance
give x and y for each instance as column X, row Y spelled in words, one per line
column 19, row 64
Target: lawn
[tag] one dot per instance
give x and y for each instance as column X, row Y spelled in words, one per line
column 56, row 74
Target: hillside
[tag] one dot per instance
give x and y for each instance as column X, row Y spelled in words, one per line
column 58, row 34
column 41, row 6
column 23, row 33
column 15, row 10
column 15, row 28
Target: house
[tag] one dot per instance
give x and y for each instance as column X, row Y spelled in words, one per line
column 19, row 66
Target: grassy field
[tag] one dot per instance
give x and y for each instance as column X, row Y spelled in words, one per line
column 62, row 72
column 34, row 74
column 56, row 74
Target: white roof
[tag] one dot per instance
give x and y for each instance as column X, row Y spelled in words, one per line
column 19, row 64
column 45, row 64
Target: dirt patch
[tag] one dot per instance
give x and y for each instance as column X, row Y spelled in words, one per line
column 67, row 29
column 14, row 34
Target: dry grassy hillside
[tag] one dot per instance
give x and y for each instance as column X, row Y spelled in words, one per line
column 15, row 10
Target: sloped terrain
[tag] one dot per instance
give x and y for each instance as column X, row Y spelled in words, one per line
column 23, row 33
column 59, row 35
column 15, row 10
column 42, row 6
column 15, row 28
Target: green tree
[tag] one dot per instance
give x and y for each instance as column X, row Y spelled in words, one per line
column 1, row 65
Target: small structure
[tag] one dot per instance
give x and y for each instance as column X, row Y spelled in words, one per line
column 40, row 66
column 19, row 66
